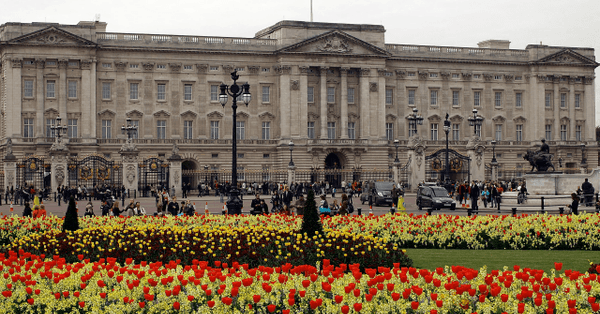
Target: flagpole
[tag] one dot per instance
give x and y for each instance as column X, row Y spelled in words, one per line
column 311, row 11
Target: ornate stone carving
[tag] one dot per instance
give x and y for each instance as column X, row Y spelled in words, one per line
column 365, row 72
column 588, row 80
column 59, row 175
column 17, row 63
column 86, row 64
column 571, row 80
column 304, row 69
column 373, row 86
column 445, row 75
column 423, row 75
column 509, row 77
column 542, row 78
column 120, row 65
column 9, row 150
column 295, row 84
column 344, row 71
column 176, row 175
column 59, row 145
column 227, row 68
column 564, row 59
column 556, row 78
column 467, row 76
column 282, row 69
column 253, row 69
column 381, row 72
column 39, row 63
column 175, row 67
column 148, row 66
column 488, row 77
column 130, row 173
column 51, row 39
column 527, row 77
column 334, row 44
column 128, row 146
column 417, row 144
column 323, row 71
column 63, row 63
column 400, row 74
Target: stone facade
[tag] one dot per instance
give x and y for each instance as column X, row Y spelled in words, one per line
column 331, row 88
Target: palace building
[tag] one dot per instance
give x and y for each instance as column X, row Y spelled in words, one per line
column 339, row 92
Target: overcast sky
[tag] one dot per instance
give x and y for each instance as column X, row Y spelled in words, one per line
column 428, row 22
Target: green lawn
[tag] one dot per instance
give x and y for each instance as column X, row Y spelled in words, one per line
column 497, row 259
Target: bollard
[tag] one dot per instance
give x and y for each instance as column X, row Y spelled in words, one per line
column 561, row 210
column 59, row 201
column 514, row 211
column 429, row 209
column 498, row 203
column 392, row 210
column 542, row 198
column 134, row 193
column 359, row 211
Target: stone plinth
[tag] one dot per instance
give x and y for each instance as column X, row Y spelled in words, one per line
column 555, row 183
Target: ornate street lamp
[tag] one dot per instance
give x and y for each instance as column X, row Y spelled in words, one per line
column 58, row 129
column 447, row 130
column 494, row 161
column 234, row 204
column 475, row 121
column 130, row 129
column 291, row 145
column 414, row 119
column 396, row 143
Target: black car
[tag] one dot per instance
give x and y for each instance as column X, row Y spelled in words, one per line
column 434, row 197
column 381, row 194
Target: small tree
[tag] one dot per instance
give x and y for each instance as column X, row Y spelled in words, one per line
column 311, row 222
column 71, row 222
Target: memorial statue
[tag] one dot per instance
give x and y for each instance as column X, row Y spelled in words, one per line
column 541, row 160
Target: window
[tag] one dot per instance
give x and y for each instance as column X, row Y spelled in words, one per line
column 478, row 130
column 497, row 77
column 434, row 131
column 214, row 156
column 28, row 127
column 351, row 130
column 214, row 130
column 498, row 99
column 28, row 88
column 133, row 90
column 72, row 92
column 266, row 156
column 519, row 132
column 456, row 132
column 49, row 124
column 188, row 133
column 133, row 66
column 240, row 130
column 135, row 123
column 311, row 130
column 519, row 100
column 563, row 132
column 477, row 99
column 266, row 130
column 330, row 94
column 578, row 132
column 266, row 94
column 50, row 89
column 476, row 76
column 563, row 100
column 389, row 131
column 214, row 68
column 389, row 96
column 214, row 93
column 411, row 74
column 106, row 65
column 105, row 90
column 187, row 92
column 548, row 100
column 161, row 66
column 434, row 94
column 240, row 156
column 455, row 97
column 187, row 67
column 161, row 92
column 350, row 95
column 412, row 128
column 331, row 130
column 161, row 129
column 72, row 128
column 498, row 135
column 455, row 75
column 269, row 70
column 548, row 134
column 106, row 128
column 433, row 75
column 577, row 100
column 310, row 94
column 411, row 97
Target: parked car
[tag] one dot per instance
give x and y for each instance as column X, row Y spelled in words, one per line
column 381, row 194
column 434, row 197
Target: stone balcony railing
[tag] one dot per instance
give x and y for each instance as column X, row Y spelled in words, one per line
column 456, row 52
column 191, row 42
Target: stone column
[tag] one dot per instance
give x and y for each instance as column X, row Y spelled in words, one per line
column 10, row 166
column 61, row 89
column 291, row 175
column 285, row 100
column 589, row 95
column 59, row 165
column 130, row 169
column 396, row 171
column 88, row 100
column 40, row 127
column 323, row 102
column 365, row 129
column 571, row 108
column 379, row 131
column 556, row 109
column 475, row 151
column 303, row 106
column 494, row 166
column 344, row 103
column 13, row 97
column 416, row 155
column 175, row 171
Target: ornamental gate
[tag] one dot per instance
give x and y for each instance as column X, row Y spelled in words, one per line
column 32, row 171
column 153, row 172
column 94, row 170
column 435, row 166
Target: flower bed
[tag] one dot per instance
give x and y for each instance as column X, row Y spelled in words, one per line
column 32, row 284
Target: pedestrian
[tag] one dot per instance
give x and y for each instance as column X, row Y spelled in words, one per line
column 574, row 204
column 115, row 209
column 588, row 192
column 139, row 210
column 27, row 210
column 344, row 205
column 300, row 205
column 173, row 207
column 89, row 210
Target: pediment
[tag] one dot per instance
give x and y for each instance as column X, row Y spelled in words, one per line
column 266, row 116
column 567, row 57
column 51, row 36
column 335, row 43
column 189, row 113
column 161, row 112
column 135, row 113
column 215, row 115
column 107, row 112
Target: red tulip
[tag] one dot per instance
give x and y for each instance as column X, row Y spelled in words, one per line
column 414, row 305
column 291, row 301
column 176, row 305
column 571, row 303
column 66, row 294
column 558, row 266
column 271, row 308
column 314, row 304
column 30, row 301
column 210, row 303
column 549, row 311
column 305, row 283
column 595, row 307
column 149, row 297
column 227, row 300
column 504, row 297
column 190, row 298
column 81, row 304
column 345, row 309
column 338, row 299
column 285, row 312
column 357, row 307
column 7, row 294
column 256, row 298
column 439, row 303
column 141, row 304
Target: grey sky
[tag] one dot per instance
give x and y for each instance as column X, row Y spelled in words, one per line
column 428, row 22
